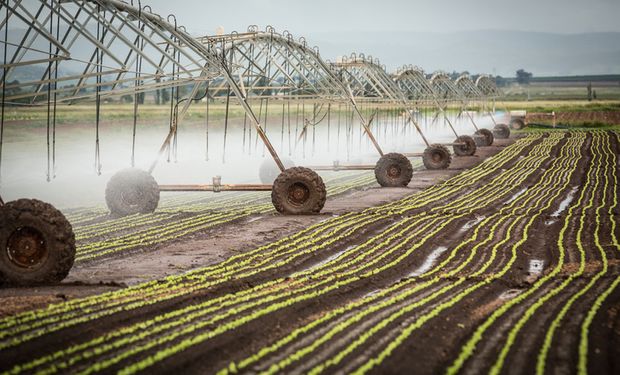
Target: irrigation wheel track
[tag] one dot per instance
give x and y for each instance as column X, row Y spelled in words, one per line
column 509, row 267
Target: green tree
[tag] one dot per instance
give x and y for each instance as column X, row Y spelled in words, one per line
column 523, row 77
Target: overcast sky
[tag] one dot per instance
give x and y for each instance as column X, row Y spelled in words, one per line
column 315, row 16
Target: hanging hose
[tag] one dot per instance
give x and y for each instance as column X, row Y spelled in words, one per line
column 49, row 96
column 314, row 130
column 265, row 122
column 289, row 126
column 338, row 133
column 226, row 125
column 329, row 117
column 245, row 125
column 207, row 125
column 4, row 73
column 55, row 98
column 139, row 44
column 282, row 128
column 98, row 99
column 260, row 114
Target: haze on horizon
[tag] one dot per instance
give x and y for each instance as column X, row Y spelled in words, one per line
column 547, row 37
column 320, row 16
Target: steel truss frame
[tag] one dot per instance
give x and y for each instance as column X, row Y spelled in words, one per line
column 412, row 80
column 448, row 91
column 116, row 59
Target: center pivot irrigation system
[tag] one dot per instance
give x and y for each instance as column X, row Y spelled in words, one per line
column 421, row 94
column 91, row 50
column 368, row 81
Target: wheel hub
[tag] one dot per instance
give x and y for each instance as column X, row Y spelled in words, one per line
column 26, row 247
column 132, row 196
column 437, row 157
column 298, row 194
column 393, row 171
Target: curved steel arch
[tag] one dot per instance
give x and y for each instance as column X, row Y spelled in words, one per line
column 487, row 86
column 445, row 88
column 367, row 79
column 412, row 80
column 109, row 47
column 468, row 87
column 268, row 64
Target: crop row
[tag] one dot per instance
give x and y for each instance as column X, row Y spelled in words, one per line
column 150, row 291
column 412, row 286
column 78, row 311
column 393, row 250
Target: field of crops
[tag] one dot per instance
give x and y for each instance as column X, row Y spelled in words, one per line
column 508, row 267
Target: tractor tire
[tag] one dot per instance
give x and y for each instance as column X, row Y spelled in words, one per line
column 436, row 157
column 298, row 191
column 468, row 147
column 132, row 191
column 517, row 124
column 269, row 171
column 393, row 170
column 37, row 244
column 501, row 131
column 484, row 137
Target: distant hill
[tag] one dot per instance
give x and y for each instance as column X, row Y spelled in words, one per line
column 488, row 51
column 485, row 51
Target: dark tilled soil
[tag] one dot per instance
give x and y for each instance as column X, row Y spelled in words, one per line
column 429, row 349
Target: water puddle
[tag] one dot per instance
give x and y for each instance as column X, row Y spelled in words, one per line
column 515, row 196
column 564, row 204
column 429, row 262
column 510, row 294
column 325, row 261
column 470, row 224
column 536, row 267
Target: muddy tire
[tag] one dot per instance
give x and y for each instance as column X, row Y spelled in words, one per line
column 501, row 131
column 468, row 147
column 436, row 157
column 269, row 171
column 484, row 137
column 37, row 244
column 517, row 124
column 132, row 191
column 298, row 191
column 393, row 170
